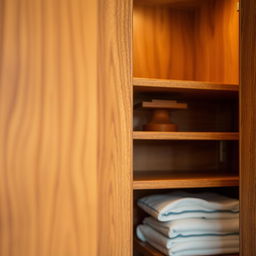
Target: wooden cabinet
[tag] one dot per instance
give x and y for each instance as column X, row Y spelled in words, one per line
column 74, row 157
column 187, row 51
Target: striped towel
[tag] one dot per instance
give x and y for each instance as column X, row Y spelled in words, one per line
column 191, row 245
column 192, row 227
column 181, row 205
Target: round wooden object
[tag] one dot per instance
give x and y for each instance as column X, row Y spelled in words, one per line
column 161, row 121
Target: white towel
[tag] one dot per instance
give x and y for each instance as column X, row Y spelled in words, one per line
column 201, row 252
column 191, row 227
column 147, row 233
column 180, row 205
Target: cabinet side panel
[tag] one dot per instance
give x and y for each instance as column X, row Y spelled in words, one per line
column 248, row 128
column 48, row 126
column 115, row 128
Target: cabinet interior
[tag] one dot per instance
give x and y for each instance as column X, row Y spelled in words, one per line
column 188, row 51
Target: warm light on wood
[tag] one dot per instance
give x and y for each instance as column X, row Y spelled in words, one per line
column 146, row 135
column 64, row 136
column 194, row 43
column 149, row 84
column 183, row 179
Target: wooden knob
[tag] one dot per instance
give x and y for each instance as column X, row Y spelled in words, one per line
column 161, row 119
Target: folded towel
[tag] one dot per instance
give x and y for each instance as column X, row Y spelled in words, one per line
column 196, row 252
column 147, row 233
column 180, row 205
column 194, row 227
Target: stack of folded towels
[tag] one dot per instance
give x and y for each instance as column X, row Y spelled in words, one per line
column 187, row 224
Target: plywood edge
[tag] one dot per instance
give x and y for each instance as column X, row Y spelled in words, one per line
column 181, row 179
column 142, row 135
column 183, row 84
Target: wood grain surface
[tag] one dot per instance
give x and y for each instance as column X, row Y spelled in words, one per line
column 115, row 128
column 163, row 104
column 247, row 128
column 183, row 179
column 138, row 135
column 217, row 41
column 163, row 44
column 173, row 3
column 142, row 84
column 178, row 155
column 187, row 43
column 65, row 128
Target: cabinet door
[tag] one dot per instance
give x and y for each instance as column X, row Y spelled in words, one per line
column 248, row 128
column 65, row 135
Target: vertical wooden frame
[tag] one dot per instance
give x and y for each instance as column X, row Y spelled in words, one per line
column 115, row 127
column 248, row 128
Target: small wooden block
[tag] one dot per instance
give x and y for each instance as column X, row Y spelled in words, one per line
column 166, row 101
column 164, row 104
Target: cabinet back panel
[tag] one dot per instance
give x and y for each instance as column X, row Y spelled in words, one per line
column 216, row 41
column 185, row 156
column 163, row 42
column 194, row 43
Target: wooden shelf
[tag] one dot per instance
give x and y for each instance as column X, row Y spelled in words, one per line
column 143, row 135
column 183, row 179
column 147, row 250
column 179, row 3
column 185, row 87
